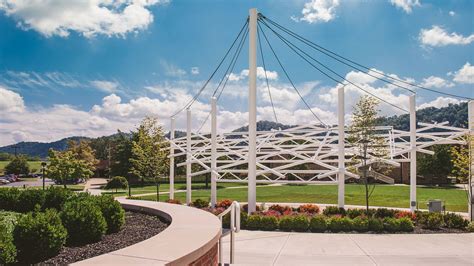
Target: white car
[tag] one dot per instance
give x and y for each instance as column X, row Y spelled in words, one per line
column 4, row 182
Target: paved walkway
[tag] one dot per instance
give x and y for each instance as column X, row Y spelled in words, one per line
column 93, row 185
column 281, row 248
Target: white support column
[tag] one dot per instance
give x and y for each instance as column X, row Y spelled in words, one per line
column 340, row 146
column 252, row 155
column 412, row 153
column 171, row 159
column 188, row 156
column 470, row 111
column 213, row 151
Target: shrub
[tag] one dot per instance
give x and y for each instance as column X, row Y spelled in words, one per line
column 431, row 220
column 38, row 236
column 353, row 213
column 384, row 213
column 333, row 210
column 405, row 224
column 470, row 227
column 245, row 208
column 9, row 199
column 29, row 199
column 360, row 224
column 338, row 224
column 406, row 214
column 117, row 182
column 268, row 223
column 308, row 208
column 375, row 225
column 318, row 224
column 200, row 203
column 284, row 210
column 112, row 211
column 55, row 197
column 173, row 201
column 83, row 220
column 452, row 220
column 224, row 204
column 286, row 223
column 243, row 220
column 300, row 223
column 253, row 222
column 391, row 224
column 7, row 248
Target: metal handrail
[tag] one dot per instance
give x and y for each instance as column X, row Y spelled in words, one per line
column 234, row 210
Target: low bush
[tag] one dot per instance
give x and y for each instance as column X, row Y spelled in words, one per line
column 245, row 208
column 300, row 223
column 375, row 225
column 286, row 223
column 360, row 224
column 384, row 213
column 284, row 210
column 9, row 199
column 334, row 210
column 430, row 220
column 243, row 220
column 268, row 223
column 308, row 208
column 55, row 197
column 405, row 224
column 406, row 214
column 224, row 204
column 83, row 220
column 470, row 227
column 200, row 203
column 117, row 182
column 453, row 220
column 318, row 224
column 338, row 224
column 38, row 236
column 391, row 224
column 253, row 222
column 112, row 211
column 7, row 247
column 30, row 199
column 353, row 213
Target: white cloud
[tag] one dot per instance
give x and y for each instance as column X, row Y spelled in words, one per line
column 172, row 70
column 89, row 18
column 105, row 85
column 437, row 37
column 465, row 74
column 271, row 75
column 439, row 102
column 318, row 11
column 363, row 77
column 195, row 70
column 452, row 13
column 406, row 5
column 10, row 102
column 436, row 82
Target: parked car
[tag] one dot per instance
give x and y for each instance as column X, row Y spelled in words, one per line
column 73, row 181
column 4, row 181
column 11, row 178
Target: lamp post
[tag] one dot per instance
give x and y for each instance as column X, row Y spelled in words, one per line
column 43, row 168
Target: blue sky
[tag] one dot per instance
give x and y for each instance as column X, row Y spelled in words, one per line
column 92, row 67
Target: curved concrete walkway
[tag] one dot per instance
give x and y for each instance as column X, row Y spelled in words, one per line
column 282, row 248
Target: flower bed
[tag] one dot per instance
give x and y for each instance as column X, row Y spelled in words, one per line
column 308, row 218
column 46, row 221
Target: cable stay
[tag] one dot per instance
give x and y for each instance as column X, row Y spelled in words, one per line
column 357, row 66
column 293, row 46
column 196, row 96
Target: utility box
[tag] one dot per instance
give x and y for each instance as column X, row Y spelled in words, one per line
column 435, row 206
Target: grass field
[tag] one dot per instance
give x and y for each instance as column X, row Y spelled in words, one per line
column 35, row 166
column 383, row 195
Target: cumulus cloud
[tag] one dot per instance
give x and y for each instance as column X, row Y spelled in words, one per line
column 271, row 75
column 436, row 82
column 465, row 74
column 88, row 18
column 439, row 102
column 318, row 11
column 105, row 85
column 10, row 102
column 438, row 36
column 405, row 5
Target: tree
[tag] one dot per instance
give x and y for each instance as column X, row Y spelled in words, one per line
column 82, row 151
column 460, row 161
column 149, row 154
column 437, row 165
column 363, row 137
column 65, row 166
column 117, row 182
column 120, row 155
column 18, row 166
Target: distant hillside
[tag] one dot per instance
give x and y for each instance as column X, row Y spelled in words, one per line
column 455, row 114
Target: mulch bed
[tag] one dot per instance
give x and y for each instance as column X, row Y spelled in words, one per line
column 137, row 228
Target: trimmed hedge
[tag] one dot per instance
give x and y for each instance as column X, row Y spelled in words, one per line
column 338, row 224
column 38, row 236
column 391, row 224
column 406, row 224
column 112, row 211
column 375, row 225
column 360, row 224
column 453, row 220
column 334, row 210
column 318, row 224
column 268, row 223
column 7, row 247
column 286, row 223
column 253, row 222
column 430, row 220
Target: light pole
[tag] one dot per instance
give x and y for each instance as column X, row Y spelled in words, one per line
column 43, row 168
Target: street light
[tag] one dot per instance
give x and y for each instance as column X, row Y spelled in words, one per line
column 43, row 168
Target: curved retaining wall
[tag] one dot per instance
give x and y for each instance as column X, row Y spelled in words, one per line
column 190, row 239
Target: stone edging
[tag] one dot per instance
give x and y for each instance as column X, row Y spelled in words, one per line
column 192, row 234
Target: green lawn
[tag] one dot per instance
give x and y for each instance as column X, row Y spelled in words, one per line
column 35, row 166
column 383, row 195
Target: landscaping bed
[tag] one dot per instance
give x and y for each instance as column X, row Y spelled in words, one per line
column 137, row 227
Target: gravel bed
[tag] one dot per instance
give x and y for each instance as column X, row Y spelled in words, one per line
column 137, row 228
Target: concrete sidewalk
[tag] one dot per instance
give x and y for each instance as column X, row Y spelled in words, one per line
column 282, row 248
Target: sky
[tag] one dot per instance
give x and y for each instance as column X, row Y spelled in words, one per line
column 89, row 68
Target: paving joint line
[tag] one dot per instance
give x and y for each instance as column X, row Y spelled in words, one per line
column 281, row 249
column 357, row 244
